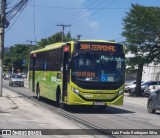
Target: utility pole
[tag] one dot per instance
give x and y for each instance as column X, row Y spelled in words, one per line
column 63, row 26
column 2, row 27
column 79, row 36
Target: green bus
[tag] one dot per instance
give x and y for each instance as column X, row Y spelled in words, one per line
column 84, row 72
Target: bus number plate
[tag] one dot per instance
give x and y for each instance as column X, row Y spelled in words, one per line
column 99, row 103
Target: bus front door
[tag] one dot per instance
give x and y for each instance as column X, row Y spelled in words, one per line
column 33, row 75
column 65, row 75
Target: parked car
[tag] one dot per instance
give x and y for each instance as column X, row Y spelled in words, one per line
column 17, row 80
column 131, row 87
column 6, row 76
column 144, row 85
column 153, row 103
column 151, row 88
column 128, row 84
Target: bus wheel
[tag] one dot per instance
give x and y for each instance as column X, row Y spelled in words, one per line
column 38, row 92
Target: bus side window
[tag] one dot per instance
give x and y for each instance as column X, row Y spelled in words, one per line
column 45, row 66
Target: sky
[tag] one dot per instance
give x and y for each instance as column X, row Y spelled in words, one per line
column 92, row 19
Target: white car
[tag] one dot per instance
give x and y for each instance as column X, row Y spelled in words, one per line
column 129, row 85
column 7, row 76
column 16, row 80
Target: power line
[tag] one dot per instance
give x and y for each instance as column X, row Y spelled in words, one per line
column 83, row 11
column 104, row 7
column 77, row 8
column 17, row 17
column 63, row 26
column 16, row 8
column 77, row 13
column 93, row 7
column 78, row 20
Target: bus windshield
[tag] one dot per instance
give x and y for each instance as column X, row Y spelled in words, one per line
column 98, row 67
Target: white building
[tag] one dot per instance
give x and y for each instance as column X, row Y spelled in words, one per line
column 151, row 72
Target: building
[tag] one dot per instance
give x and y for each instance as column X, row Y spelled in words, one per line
column 151, row 72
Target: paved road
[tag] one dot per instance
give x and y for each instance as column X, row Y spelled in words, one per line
column 27, row 114
column 132, row 115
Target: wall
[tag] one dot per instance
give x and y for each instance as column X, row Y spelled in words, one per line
column 151, row 72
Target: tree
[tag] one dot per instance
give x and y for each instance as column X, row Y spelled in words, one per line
column 142, row 32
column 19, row 55
column 68, row 37
column 42, row 43
column 54, row 39
column 7, row 63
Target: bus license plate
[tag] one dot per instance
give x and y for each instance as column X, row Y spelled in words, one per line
column 99, row 103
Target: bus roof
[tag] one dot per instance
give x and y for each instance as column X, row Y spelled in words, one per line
column 49, row 47
column 60, row 44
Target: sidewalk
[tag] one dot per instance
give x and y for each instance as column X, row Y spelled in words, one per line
column 6, row 103
column 18, row 112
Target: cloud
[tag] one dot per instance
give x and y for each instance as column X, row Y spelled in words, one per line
column 93, row 24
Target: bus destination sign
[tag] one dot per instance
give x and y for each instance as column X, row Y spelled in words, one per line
column 97, row 47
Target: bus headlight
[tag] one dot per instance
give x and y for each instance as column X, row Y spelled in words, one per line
column 120, row 92
column 75, row 90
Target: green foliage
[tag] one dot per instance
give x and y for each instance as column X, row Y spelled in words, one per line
column 20, row 54
column 142, row 33
column 142, row 30
column 54, row 39
column 17, row 57
column 7, row 63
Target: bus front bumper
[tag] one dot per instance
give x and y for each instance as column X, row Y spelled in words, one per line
column 75, row 99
